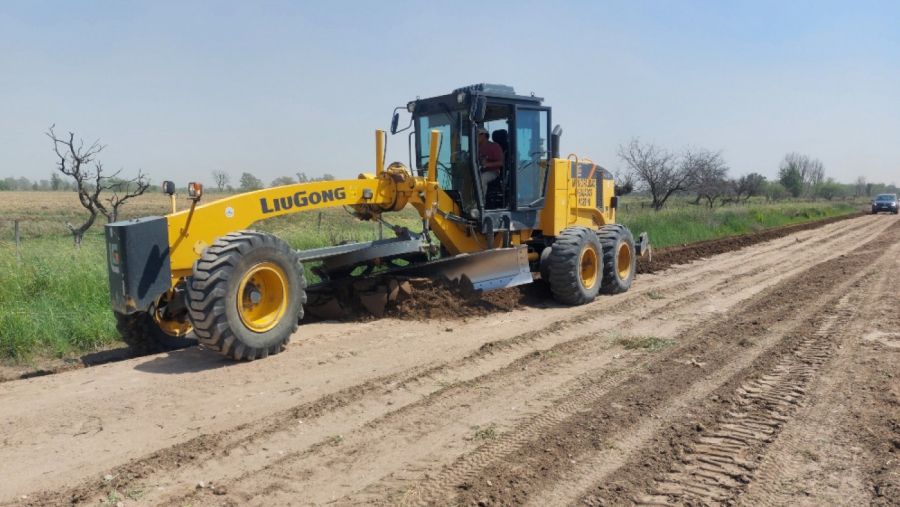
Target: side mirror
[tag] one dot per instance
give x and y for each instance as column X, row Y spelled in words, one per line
column 168, row 187
column 394, row 121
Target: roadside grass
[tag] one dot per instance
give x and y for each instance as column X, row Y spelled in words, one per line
column 689, row 224
column 54, row 302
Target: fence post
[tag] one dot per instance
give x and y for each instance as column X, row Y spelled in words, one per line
column 319, row 226
column 380, row 230
column 18, row 254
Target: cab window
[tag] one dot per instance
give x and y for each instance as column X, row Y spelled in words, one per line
column 531, row 156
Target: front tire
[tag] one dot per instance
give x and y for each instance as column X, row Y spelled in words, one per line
column 574, row 266
column 146, row 333
column 247, row 295
column 619, row 259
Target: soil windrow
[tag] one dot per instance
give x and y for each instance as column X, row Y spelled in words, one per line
column 442, row 299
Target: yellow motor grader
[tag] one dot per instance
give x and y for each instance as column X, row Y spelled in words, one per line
column 200, row 274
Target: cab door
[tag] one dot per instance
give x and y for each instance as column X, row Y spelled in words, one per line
column 530, row 157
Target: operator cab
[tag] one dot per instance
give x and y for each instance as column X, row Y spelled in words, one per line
column 519, row 124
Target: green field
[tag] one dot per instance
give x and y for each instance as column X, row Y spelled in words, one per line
column 55, row 299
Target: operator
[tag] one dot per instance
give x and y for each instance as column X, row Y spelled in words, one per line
column 490, row 158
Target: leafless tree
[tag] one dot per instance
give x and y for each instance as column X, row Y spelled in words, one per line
column 811, row 173
column 710, row 181
column 860, row 186
column 655, row 170
column 814, row 176
column 122, row 190
column 75, row 161
column 221, row 179
column 624, row 183
column 747, row 186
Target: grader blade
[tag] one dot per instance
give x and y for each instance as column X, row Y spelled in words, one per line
column 487, row 270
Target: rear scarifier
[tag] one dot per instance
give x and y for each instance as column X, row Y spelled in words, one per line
column 619, row 258
column 247, row 295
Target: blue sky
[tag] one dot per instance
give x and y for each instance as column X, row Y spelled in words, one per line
column 179, row 89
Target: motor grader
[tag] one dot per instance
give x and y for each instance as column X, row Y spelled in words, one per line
column 201, row 275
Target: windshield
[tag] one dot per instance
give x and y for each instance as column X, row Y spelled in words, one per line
column 453, row 172
column 886, row 197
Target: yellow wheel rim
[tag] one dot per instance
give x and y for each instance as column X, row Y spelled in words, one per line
column 169, row 326
column 623, row 261
column 589, row 267
column 263, row 297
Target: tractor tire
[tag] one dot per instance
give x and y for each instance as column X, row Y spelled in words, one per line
column 247, row 294
column 619, row 259
column 574, row 266
column 544, row 264
column 143, row 334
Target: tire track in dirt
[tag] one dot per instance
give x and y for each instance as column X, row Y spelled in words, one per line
column 715, row 468
column 517, row 432
column 477, row 380
column 537, row 467
column 808, row 463
column 214, row 446
column 716, row 465
column 590, row 468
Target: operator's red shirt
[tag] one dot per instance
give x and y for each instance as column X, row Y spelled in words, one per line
column 490, row 152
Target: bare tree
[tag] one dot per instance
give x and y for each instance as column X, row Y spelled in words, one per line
column 221, row 179
column 624, row 184
column 655, row 170
column 814, row 176
column 748, row 185
column 74, row 161
column 860, row 186
column 122, row 190
column 801, row 174
column 710, row 174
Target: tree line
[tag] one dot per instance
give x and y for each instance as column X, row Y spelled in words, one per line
column 249, row 182
column 704, row 175
column 221, row 181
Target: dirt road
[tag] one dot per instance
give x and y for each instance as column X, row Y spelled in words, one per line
column 765, row 376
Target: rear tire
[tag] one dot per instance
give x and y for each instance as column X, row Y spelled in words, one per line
column 142, row 333
column 247, row 295
column 619, row 259
column 574, row 266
